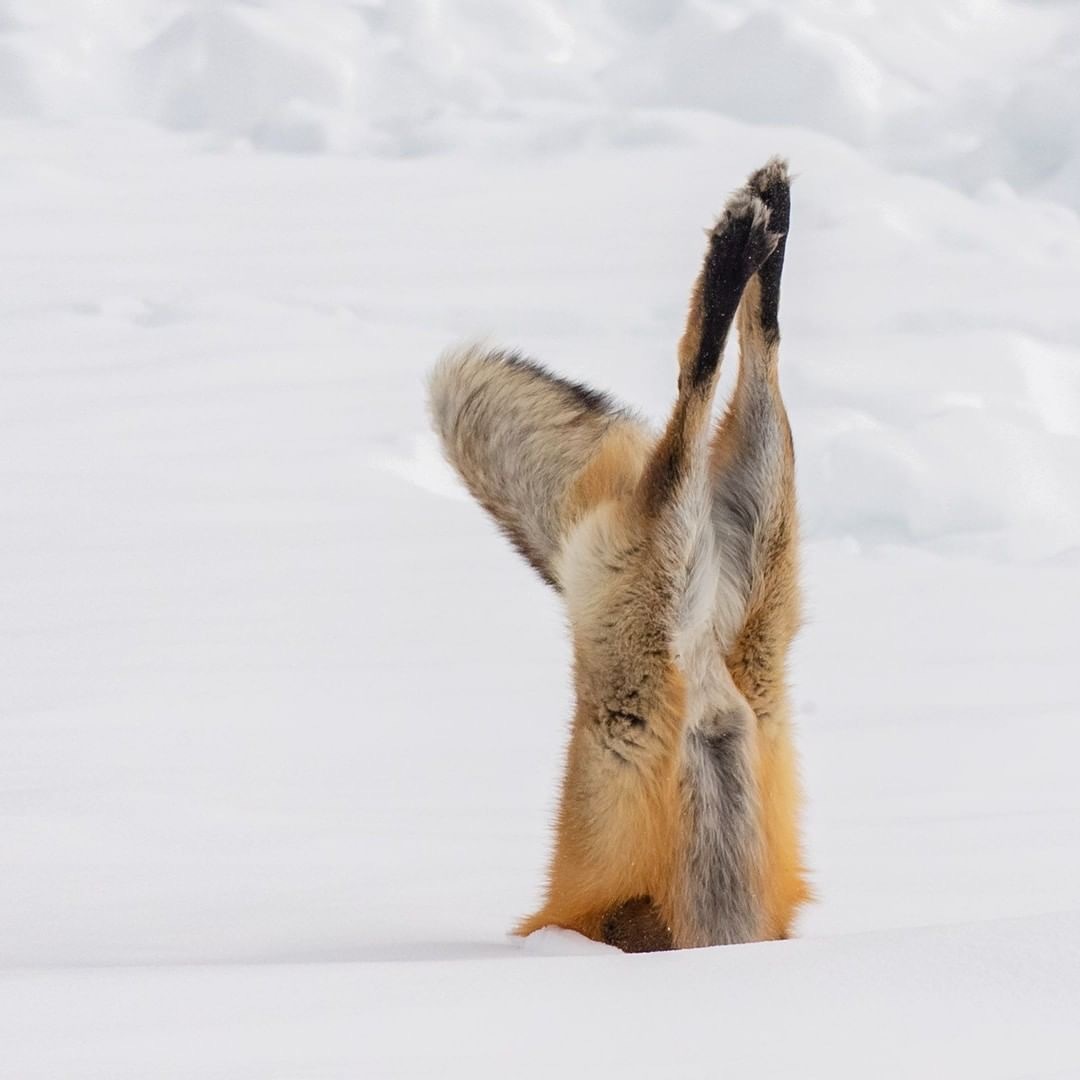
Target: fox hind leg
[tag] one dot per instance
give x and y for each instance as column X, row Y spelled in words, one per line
column 755, row 519
column 714, row 894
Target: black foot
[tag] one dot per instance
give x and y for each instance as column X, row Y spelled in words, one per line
column 772, row 185
column 741, row 241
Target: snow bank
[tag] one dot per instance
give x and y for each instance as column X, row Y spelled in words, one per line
column 969, row 93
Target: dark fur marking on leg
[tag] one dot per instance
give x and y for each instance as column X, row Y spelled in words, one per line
column 739, row 245
column 622, row 716
column 772, row 185
column 620, row 731
column 667, row 470
column 636, row 926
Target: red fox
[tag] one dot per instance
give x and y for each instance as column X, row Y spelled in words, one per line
column 676, row 558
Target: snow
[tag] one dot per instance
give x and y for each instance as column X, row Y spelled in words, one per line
column 931, row 1001
column 283, row 716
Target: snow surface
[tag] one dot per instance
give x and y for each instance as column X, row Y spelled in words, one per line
column 282, row 716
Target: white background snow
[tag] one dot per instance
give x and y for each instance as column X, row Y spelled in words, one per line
column 281, row 716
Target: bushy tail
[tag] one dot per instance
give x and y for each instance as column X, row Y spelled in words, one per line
column 518, row 436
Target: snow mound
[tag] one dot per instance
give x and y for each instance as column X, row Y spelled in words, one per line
column 971, row 94
column 241, row 71
column 769, row 67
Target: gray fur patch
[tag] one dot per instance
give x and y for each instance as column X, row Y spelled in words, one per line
column 724, row 841
column 747, row 493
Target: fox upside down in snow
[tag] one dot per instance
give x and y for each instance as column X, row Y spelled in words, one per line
column 676, row 558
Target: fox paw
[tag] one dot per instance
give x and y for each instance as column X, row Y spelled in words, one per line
column 772, row 185
column 742, row 239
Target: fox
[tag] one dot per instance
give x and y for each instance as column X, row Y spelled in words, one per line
column 675, row 554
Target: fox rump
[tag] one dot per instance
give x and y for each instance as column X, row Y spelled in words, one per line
column 676, row 557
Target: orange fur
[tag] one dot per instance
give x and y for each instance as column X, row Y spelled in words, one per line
column 626, row 850
column 612, row 474
column 784, row 887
